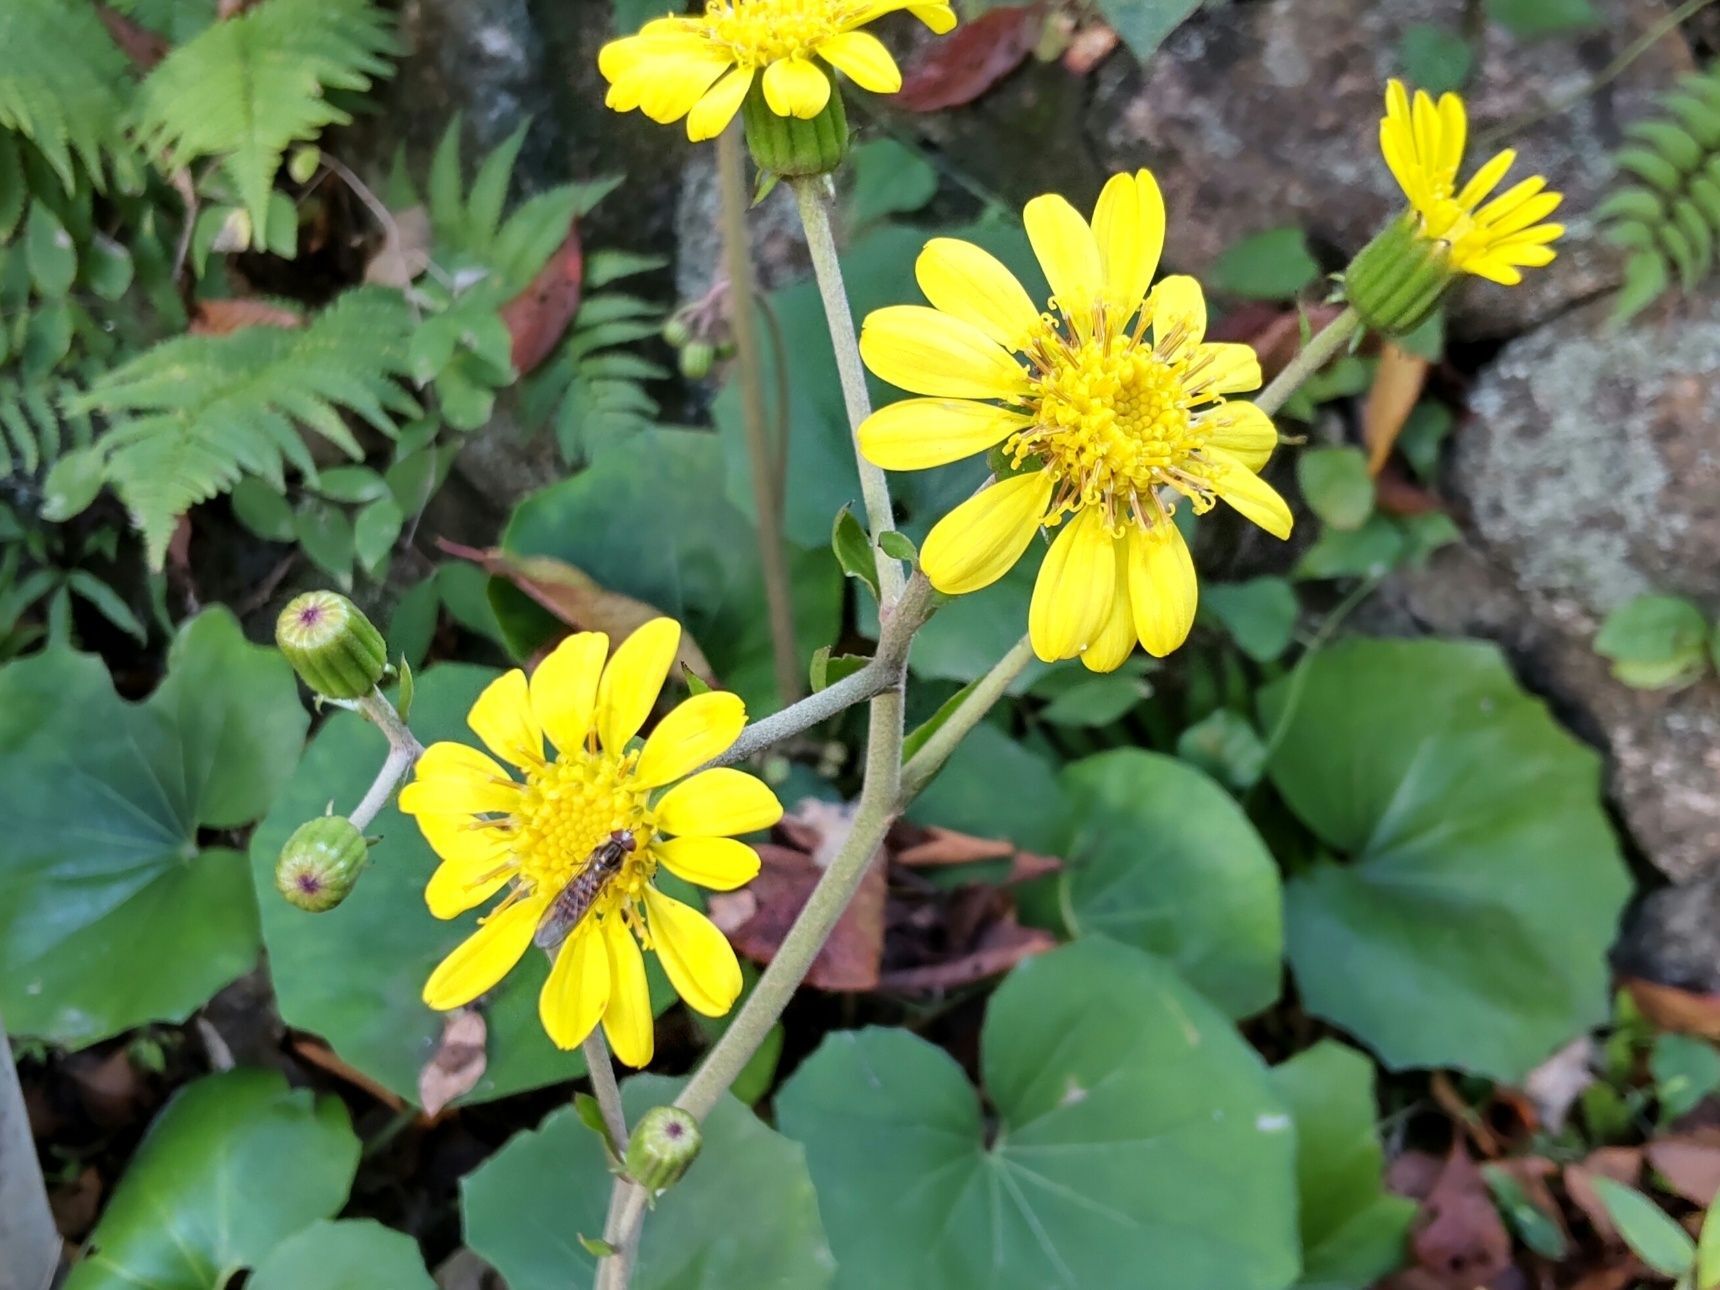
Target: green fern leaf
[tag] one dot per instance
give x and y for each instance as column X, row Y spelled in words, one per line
column 247, row 89
column 62, row 82
column 194, row 415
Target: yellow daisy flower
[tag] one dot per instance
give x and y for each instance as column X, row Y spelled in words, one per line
column 1106, row 424
column 1423, row 144
column 702, row 67
column 535, row 837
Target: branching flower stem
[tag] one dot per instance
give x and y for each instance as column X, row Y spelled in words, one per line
column 404, row 750
column 1321, row 349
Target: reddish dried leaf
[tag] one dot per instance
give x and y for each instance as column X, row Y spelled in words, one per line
column 1466, row 1117
column 108, row 1086
column 1671, row 1008
column 1621, row 1164
column 928, row 846
column 320, row 1055
column 1002, row 945
column 1397, row 494
column 1092, row 45
column 1414, row 1173
column 1691, row 1164
column 961, row 67
column 138, row 43
column 219, row 317
column 1461, row 1237
column 457, row 1065
column 1397, row 385
column 577, row 599
column 76, row 1204
column 537, row 317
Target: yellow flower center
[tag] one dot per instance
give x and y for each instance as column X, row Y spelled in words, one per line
column 1112, row 422
column 761, row 32
column 569, row 808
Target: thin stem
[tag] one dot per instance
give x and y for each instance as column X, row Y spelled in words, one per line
column 749, row 363
column 404, row 750
column 605, row 1089
column 1322, row 347
column 27, row 1233
column 943, row 741
column 813, row 195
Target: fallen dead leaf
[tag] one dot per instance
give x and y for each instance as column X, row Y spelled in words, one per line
column 1466, row 1117
column 1555, row 1085
column 1621, row 1164
column 1615, row 1276
column 457, row 1065
column 1671, row 1008
column 1398, row 494
column 1461, row 1237
column 1413, row 1173
column 1089, row 47
column 578, row 599
column 959, row 68
column 405, row 250
column 929, row 846
column 1690, row 1163
column 76, row 1204
column 320, row 1055
column 220, row 317
column 539, row 315
column 1398, row 382
column 969, row 935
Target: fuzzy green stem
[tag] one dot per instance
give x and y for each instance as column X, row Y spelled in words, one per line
column 813, row 195
column 605, row 1089
column 925, row 763
column 749, row 363
column 404, row 750
column 1321, row 348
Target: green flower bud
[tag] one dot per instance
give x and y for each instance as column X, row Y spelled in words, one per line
column 789, row 146
column 320, row 863
column 303, row 162
column 1396, row 280
column 664, row 1142
column 331, row 645
column 696, row 360
column 676, row 333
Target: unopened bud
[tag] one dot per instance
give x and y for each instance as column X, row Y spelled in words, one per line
column 696, row 360
column 1396, row 280
column 676, row 332
column 303, row 163
column 331, row 645
column 664, row 1142
column 789, row 146
column 320, row 863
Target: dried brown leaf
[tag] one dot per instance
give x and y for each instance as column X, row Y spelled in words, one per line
column 1398, row 382
column 929, row 846
column 1690, row 1163
column 220, row 317
column 1089, row 47
column 138, row 43
column 458, row 1063
column 1001, row 945
column 1672, row 1008
column 961, row 67
column 1461, row 1237
column 320, row 1055
column 539, row 315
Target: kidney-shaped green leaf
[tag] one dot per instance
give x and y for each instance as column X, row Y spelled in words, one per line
column 235, row 1163
column 1469, row 922
column 743, row 1215
column 110, row 915
column 356, row 1254
column 1160, row 857
column 1138, row 1142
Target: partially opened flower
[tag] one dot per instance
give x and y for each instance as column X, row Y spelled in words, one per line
column 703, row 67
column 537, row 837
column 1109, row 409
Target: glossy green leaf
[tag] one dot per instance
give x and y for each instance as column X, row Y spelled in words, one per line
column 1159, row 857
column 1274, row 265
column 263, row 509
column 1655, row 641
column 1259, row 614
column 648, row 519
column 1353, row 1229
column 965, row 794
column 50, row 252
column 889, row 178
column 1336, row 484
column 234, row 1164
column 1476, row 872
column 1536, row 18
column 1434, row 58
column 1373, row 549
column 1144, row 24
column 1646, row 1228
column 355, row 1254
column 110, row 914
column 743, row 1215
column 853, row 549
column 1533, row 1226
column 1686, row 1069
column 1226, row 746
column 1095, row 699
column 1137, row 1141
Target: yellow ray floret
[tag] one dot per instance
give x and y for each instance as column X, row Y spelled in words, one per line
column 1110, row 406
column 1423, row 143
column 702, row 68
column 534, row 835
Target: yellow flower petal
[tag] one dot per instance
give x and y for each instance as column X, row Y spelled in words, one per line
column 1486, row 179
column 462, row 839
column 1073, row 592
column 1115, row 639
column 452, row 779
column 915, row 434
column 697, row 957
column 502, row 717
column 1064, row 246
column 721, row 864
column 1242, row 430
column 577, row 991
column 621, row 57
column 941, row 18
column 1221, row 368
column 564, row 689
column 717, row 803
column 1179, row 317
column 457, row 886
column 928, row 352
column 972, row 284
column 712, row 113
column 1162, row 587
column 666, row 88
column 1129, row 225
column 633, row 680
column 862, row 57
column 796, row 87
column 480, row 961
column 980, row 540
column 1248, row 494
column 627, row 1020
column 696, row 731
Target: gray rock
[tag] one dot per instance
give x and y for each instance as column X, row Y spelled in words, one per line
column 1258, row 115
column 1588, row 473
column 1673, row 936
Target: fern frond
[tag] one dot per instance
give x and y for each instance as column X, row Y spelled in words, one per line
column 1669, row 220
column 247, row 89
column 63, row 83
column 193, row 415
